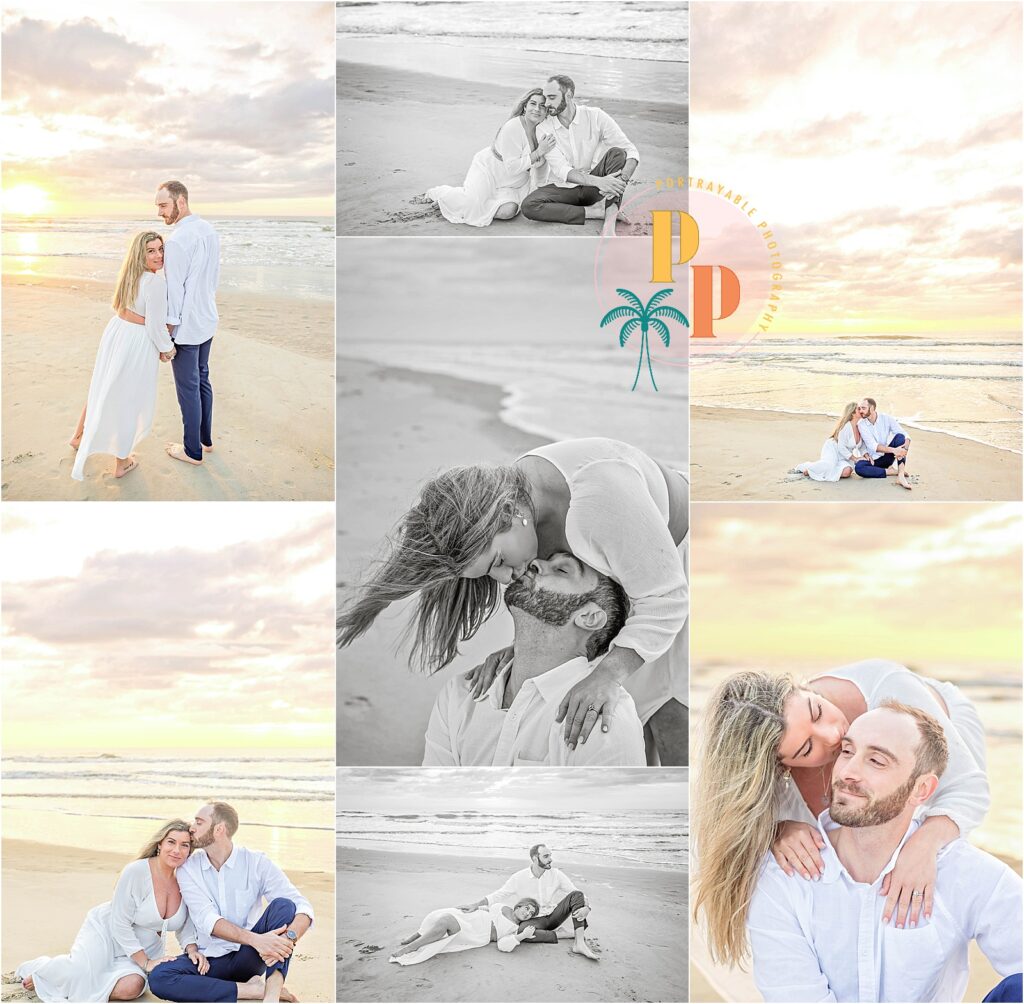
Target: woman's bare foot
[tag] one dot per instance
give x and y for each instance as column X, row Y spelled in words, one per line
column 177, row 452
column 410, row 939
column 28, row 983
column 126, row 466
column 75, row 441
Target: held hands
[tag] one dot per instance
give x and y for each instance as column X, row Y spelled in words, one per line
column 914, row 872
column 166, row 357
column 797, row 848
column 594, row 697
column 273, row 946
column 482, row 676
column 199, row 961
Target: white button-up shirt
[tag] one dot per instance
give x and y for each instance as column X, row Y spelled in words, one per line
column 238, row 892
column 882, row 431
column 825, row 941
column 192, row 268
column 581, row 145
column 467, row 733
column 548, row 890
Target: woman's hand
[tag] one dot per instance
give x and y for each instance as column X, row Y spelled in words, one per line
column 545, row 144
column 151, row 964
column 910, row 886
column 797, row 848
column 482, row 676
column 198, row 960
column 526, row 932
column 594, row 697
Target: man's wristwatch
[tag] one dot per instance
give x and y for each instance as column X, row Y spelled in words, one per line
column 291, row 935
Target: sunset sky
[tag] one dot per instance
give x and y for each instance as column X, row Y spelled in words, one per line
column 882, row 141
column 790, row 582
column 168, row 626
column 234, row 99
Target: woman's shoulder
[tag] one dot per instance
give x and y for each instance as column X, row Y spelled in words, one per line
column 154, row 279
column 136, row 870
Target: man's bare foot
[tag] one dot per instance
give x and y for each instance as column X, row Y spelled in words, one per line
column 287, row 995
column 28, row 983
column 177, row 452
column 275, row 986
column 125, row 467
column 596, row 211
column 904, row 482
column 582, row 948
column 251, row 989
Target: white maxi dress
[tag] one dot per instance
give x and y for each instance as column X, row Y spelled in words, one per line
column 498, row 174
column 836, row 456
column 122, row 393
column 617, row 523
column 111, row 933
column 474, row 932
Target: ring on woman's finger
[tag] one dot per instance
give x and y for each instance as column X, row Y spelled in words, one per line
column 916, row 894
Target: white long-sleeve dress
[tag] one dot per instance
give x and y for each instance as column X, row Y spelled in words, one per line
column 498, row 174
column 474, row 932
column 122, row 393
column 963, row 791
column 836, row 456
column 111, row 933
column 617, row 523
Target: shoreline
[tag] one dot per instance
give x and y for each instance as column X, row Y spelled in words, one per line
column 740, row 454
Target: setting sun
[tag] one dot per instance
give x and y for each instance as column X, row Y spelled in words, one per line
column 25, row 200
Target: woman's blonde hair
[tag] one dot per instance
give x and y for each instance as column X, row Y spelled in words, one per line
column 736, row 801
column 151, row 847
column 132, row 269
column 846, row 416
column 458, row 515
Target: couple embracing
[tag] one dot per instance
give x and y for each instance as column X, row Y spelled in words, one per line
column 164, row 311
column 234, row 913
column 555, row 160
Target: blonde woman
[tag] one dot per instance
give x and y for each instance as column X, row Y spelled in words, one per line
column 122, row 394
column 476, row 528
column 502, row 174
column 840, row 452
column 764, row 777
column 122, row 941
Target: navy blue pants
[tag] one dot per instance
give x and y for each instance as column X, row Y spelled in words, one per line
column 191, row 367
column 546, row 927
column 877, row 468
column 551, row 204
column 1008, row 990
column 180, row 980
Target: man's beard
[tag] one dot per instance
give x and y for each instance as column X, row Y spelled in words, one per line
column 198, row 843
column 873, row 812
column 173, row 217
column 542, row 604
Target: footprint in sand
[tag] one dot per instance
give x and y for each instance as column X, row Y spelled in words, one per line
column 370, row 949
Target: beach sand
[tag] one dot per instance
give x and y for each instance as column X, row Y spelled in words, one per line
column 272, row 374
column 401, row 132
column 738, row 455
column 396, row 428
column 48, row 890
column 638, row 921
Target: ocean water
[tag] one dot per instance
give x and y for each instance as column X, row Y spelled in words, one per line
column 966, row 386
column 996, row 692
column 524, row 317
column 291, row 256
column 285, row 799
column 642, row 840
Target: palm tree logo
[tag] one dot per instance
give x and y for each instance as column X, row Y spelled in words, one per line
column 644, row 317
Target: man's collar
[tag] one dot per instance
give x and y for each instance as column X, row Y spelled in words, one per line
column 231, row 861
column 184, row 219
column 834, row 867
column 552, row 685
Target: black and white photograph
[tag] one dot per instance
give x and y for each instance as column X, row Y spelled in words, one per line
column 508, row 117
column 516, row 885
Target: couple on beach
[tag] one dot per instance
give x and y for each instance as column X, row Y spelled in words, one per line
column 165, row 310
column 864, row 442
column 532, row 907
column 831, row 822
column 233, row 911
column 554, row 160
column 589, row 539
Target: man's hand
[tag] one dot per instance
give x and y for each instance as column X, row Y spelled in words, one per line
column 581, row 914
column 899, row 453
column 545, row 144
column 611, row 186
column 273, row 946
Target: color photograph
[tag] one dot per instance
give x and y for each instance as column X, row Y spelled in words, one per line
column 495, row 118
column 856, row 696
column 168, row 252
column 883, row 146
column 167, row 756
column 518, row 885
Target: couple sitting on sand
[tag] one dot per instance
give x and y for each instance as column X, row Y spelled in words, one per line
column 589, row 539
column 529, row 908
column 168, row 317
column 864, row 442
column 554, row 159
column 232, row 910
column 830, row 821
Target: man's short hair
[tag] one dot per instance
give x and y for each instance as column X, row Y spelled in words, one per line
column 871, row 401
column 224, row 813
column 175, row 189
column 535, row 850
column 612, row 599
column 932, row 752
column 566, row 83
